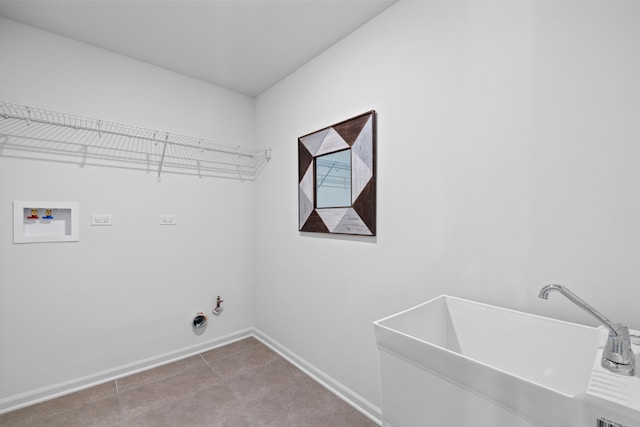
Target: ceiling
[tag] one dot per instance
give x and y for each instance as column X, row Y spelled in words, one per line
column 243, row 45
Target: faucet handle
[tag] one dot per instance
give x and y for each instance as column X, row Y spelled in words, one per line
column 617, row 355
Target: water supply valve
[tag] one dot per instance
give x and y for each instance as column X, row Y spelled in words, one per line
column 218, row 308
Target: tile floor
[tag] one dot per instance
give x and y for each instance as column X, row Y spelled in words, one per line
column 242, row 384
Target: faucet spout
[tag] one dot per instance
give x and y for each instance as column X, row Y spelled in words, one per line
column 544, row 294
column 617, row 355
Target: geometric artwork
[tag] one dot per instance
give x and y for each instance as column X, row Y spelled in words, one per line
column 337, row 178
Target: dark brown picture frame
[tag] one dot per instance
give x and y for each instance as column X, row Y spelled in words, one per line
column 358, row 135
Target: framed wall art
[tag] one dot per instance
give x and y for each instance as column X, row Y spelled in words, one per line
column 337, row 178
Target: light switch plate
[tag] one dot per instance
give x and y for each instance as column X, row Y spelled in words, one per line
column 167, row 220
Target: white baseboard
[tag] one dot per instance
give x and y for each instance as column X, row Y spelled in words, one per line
column 367, row 408
column 32, row 397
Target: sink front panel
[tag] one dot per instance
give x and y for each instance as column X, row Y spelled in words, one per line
column 414, row 397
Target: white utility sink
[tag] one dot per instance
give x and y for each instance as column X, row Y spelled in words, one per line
column 535, row 370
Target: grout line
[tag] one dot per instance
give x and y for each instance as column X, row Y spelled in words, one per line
column 122, row 422
column 206, row 363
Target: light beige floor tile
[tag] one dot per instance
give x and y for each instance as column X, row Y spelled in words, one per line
column 273, row 378
column 159, row 373
column 338, row 414
column 96, row 413
column 213, row 406
column 162, row 392
column 244, row 384
column 231, row 349
column 242, row 362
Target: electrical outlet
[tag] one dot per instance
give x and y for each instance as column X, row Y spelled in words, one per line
column 101, row 219
column 167, row 220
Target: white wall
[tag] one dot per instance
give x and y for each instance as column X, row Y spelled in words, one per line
column 123, row 296
column 508, row 138
column 507, row 143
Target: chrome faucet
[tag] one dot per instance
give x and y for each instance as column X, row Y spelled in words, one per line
column 617, row 355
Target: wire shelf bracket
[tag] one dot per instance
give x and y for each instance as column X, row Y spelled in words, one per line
column 35, row 133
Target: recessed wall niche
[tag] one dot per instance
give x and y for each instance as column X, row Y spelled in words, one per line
column 37, row 222
column 337, row 178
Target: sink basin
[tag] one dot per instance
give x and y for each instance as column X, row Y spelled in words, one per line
column 536, row 367
column 550, row 353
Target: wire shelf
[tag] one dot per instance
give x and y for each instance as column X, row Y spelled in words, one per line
column 28, row 132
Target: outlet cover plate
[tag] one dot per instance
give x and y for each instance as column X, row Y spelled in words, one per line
column 167, row 220
column 101, row 219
